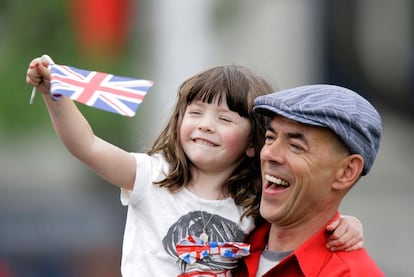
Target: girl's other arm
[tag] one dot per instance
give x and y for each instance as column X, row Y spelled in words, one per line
column 347, row 234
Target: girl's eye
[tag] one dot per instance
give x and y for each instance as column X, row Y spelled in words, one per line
column 226, row 119
column 194, row 112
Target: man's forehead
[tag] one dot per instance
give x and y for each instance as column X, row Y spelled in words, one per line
column 294, row 128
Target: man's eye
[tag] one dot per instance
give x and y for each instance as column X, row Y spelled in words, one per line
column 296, row 147
column 269, row 139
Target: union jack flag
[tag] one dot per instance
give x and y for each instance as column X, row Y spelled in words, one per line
column 104, row 91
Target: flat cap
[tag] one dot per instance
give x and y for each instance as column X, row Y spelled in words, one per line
column 342, row 110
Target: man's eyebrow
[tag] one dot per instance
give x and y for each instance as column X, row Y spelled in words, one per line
column 293, row 135
column 297, row 135
column 270, row 128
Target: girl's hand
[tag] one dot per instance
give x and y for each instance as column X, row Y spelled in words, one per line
column 38, row 74
column 347, row 234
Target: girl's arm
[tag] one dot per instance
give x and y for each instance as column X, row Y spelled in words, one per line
column 108, row 161
column 347, row 234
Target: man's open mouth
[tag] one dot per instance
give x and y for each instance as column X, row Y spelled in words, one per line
column 275, row 182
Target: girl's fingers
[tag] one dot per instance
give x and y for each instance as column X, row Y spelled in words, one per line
column 34, row 63
column 332, row 226
column 356, row 246
column 33, row 78
column 350, row 245
column 38, row 71
column 38, row 74
column 46, row 60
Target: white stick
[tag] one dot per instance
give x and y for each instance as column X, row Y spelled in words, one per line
column 33, row 95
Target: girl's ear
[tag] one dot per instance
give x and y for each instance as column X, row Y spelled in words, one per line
column 250, row 152
column 349, row 173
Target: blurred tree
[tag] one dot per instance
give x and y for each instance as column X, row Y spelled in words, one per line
column 29, row 29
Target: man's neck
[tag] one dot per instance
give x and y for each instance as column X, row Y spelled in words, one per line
column 288, row 238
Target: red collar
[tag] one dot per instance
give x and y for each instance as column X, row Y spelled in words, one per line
column 309, row 264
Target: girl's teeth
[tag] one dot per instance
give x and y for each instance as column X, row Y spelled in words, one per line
column 203, row 142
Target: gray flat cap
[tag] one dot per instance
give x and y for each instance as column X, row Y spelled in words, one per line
column 342, row 110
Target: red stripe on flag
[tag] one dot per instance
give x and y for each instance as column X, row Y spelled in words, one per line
column 94, row 84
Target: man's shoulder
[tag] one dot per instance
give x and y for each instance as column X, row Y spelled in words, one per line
column 354, row 262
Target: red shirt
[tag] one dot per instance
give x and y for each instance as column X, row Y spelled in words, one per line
column 312, row 258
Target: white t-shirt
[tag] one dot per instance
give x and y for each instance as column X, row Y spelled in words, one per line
column 157, row 220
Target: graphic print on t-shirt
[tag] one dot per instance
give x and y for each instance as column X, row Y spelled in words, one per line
column 218, row 229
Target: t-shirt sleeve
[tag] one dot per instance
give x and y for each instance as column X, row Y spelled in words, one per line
column 149, row 169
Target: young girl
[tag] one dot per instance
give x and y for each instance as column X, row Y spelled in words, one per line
column 198, row 187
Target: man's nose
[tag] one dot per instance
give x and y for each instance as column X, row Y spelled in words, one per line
column 273, row 152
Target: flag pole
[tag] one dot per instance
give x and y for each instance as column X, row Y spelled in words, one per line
column 33, row 95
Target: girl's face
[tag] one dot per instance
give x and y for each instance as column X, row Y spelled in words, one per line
column 213, row 137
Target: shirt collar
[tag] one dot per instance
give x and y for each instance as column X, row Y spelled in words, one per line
column 312, row 264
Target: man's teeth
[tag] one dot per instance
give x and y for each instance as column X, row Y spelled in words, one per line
column 276, row 180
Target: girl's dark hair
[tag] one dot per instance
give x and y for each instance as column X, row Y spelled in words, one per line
column 240, row 87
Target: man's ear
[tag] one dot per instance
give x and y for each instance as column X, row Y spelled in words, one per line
column 349, row 172
column 250, row 152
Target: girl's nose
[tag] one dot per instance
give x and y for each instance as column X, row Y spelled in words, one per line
column 206, row 124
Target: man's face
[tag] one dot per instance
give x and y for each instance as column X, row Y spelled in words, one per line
column 299, row 163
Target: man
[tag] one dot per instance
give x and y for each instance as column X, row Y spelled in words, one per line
column 320, row 139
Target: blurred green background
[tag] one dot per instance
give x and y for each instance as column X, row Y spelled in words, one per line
column 30, row 29
column 58, row 219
